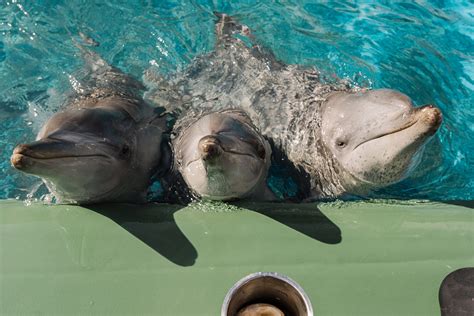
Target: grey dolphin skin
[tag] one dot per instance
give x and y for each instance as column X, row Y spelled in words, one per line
column 221, row 156
column 105, row 146
column 346, row 140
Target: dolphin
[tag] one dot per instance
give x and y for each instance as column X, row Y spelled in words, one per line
column 221, row 156
column 104, row 146
column 345, row 140
column 376, row 137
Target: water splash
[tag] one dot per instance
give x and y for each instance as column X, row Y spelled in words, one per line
column 39, row 194
column 208, row 206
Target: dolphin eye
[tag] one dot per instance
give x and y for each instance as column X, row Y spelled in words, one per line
column 125, row 150
column 340, row 143
column 261, row 151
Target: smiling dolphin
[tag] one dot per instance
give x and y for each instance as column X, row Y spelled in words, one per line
column 105, row 145
column 376, row 136
column 343, row 139
column 221, row 156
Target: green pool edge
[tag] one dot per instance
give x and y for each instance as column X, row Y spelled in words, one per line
column 351, row 259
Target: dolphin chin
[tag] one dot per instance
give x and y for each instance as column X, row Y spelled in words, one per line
column 217, row 179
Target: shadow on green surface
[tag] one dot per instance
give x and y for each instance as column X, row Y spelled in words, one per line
column 304, row 218
column 155, row 227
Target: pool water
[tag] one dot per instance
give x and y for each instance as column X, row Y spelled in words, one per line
column 422, row 48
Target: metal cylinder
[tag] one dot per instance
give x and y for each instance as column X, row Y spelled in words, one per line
column 267, row 288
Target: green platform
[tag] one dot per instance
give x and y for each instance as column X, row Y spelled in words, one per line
column 351, row 259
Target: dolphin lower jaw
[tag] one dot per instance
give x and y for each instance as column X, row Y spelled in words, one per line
column 27, row 164
column 388, row 167
column 94, row 190
column 234, row 191
column 79, row 178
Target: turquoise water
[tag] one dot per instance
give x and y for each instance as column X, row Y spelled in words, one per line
column 424, row 49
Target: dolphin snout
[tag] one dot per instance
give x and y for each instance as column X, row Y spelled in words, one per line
column 209, row 147
column 21, row 149
column 17, row 159
column 42, row 149
column 431, row 116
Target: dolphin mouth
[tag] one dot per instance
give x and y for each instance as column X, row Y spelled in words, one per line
column 404, row 127
column 24, row 155
column 427, row 115
column 228, row 152
column 21, row 161
column 42, row 157
column 211, row 147
column 26, row 151
column 241, row 154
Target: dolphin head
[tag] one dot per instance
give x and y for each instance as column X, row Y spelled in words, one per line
column 88, row 155
column 377, row 136
column 221, row 156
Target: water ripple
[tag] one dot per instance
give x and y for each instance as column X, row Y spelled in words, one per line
column 423, row 48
